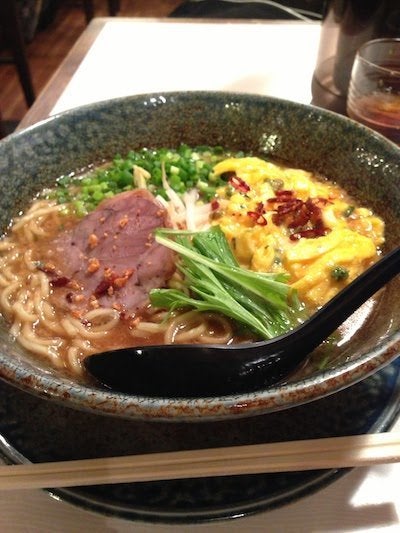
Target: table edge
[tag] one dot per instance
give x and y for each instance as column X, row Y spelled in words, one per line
column 53, row 89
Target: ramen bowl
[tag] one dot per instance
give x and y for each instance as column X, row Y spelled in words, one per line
column 353, row 156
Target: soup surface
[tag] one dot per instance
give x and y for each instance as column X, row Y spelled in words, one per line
column 124, row 255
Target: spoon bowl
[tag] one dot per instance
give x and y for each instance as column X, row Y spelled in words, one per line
column 192, row 371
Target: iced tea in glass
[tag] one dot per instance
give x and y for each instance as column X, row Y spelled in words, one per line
column 374, row 91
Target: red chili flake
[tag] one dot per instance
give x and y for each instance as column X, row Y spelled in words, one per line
column 59, row 281
column 260, row 220
column 258, row 215
column 102, row 287
column 303, row 218
column 260, row 208
column 214, row 205
column 238, row 184
column 300, row 217
column 289, row 206
column 282, row 196
column 309, row 233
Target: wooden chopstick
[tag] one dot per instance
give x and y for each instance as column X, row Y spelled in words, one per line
column 314, row 454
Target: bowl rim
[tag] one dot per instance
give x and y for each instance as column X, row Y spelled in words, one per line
column 103, row 401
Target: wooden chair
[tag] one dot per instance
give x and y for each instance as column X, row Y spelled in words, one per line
column 88, row 6
column 11, row 28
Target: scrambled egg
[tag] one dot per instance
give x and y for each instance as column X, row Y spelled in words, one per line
column 280, row 219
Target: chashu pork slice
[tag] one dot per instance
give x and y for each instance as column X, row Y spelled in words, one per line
column 110, row 258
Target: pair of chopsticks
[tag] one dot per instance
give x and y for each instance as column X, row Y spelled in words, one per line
column 314, row 454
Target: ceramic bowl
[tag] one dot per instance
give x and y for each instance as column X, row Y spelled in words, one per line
column 302, row 136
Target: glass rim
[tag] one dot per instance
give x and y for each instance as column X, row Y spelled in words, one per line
column 366, row 45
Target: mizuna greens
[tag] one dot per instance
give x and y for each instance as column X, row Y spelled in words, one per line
column 263, row 302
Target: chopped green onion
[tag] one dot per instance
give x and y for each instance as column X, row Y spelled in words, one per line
column 349, row 211
column 339, row 273
column 184, row 167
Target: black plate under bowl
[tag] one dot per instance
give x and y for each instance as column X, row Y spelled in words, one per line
column 32, row 429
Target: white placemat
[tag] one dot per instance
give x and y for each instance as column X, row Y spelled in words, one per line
column 127, row 58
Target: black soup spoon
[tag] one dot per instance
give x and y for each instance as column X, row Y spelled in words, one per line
column 193, row 371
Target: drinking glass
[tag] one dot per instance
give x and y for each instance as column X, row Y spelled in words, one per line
column 374, row 90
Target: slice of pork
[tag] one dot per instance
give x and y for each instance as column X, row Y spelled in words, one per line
column 111, row 258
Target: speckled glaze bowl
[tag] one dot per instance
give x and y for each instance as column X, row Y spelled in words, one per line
column 363, row 162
